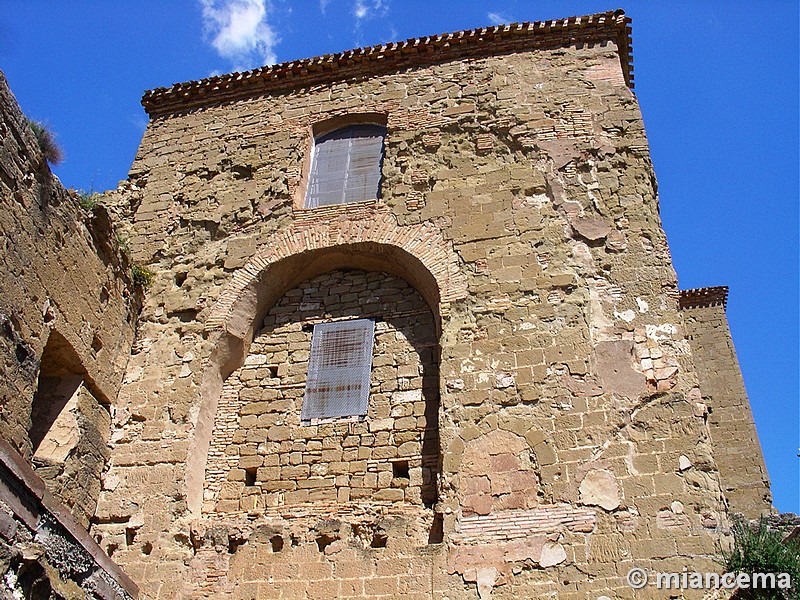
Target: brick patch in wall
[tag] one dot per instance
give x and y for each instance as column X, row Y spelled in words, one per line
column 488, row 549
column 512, row 524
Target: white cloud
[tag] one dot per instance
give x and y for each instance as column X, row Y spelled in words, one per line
column 323, row 4
column 239, row 32
column 498, row 19
column 368, row 9
column 364, row 11
column 139, row 121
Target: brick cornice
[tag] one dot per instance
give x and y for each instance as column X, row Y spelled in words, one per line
column 373, row 60
column 703, row 297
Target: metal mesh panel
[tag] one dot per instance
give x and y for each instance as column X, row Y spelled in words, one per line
column 339, row 370
column 346, row 166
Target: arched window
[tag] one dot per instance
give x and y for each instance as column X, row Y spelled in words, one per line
column 70, row 427
column 346, row 166
column 54, row 425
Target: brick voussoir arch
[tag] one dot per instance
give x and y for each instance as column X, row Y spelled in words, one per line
column 423, row 241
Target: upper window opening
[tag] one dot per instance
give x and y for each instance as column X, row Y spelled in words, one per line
column 339, row 370
column 346, row 166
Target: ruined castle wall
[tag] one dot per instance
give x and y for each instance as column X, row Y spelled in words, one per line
column 743, row 473
column 518, row 199
column 73, row 454
column 66, row 310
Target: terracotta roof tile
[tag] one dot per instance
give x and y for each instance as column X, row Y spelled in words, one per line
column 487, row 41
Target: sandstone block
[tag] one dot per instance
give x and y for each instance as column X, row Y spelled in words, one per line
column 599, row 488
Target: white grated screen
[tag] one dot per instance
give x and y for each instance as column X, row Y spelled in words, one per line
column 346, row 166
column 339, row 370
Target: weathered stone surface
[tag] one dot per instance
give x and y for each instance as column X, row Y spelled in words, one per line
column 552, row 554
column 590, row 228
column 486, row 578
column 600, row 488
column 529, row 360
column 614, row 363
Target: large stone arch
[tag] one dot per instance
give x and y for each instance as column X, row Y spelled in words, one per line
column 417, row 253
column 249, row 464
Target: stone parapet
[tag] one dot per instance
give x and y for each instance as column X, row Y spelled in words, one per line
column 743, row 472
column 378, row 60
column 704, row 297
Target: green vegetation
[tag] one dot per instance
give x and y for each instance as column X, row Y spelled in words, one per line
column 759, row 549
column 142, row 276
column 122, row 243
column 47, row 142
column 88, row 200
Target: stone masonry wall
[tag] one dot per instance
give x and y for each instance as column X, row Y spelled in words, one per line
column 518, row 199
column 743, row 473
column 392, row 455
column 65, row 285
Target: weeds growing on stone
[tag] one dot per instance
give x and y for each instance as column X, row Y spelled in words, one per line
column 47, row 142
column 88, row 200
column 122, row 242
column 142, row 276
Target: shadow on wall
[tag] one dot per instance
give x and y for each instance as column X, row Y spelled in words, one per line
column 384, row 449
column 69, row 429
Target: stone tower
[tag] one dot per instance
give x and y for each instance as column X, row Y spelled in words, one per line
column 414, row 331
column 742, row 471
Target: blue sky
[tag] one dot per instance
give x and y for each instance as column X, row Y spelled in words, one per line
column 717, row 83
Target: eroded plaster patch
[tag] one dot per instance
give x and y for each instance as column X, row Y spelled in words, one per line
column 600, row 488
